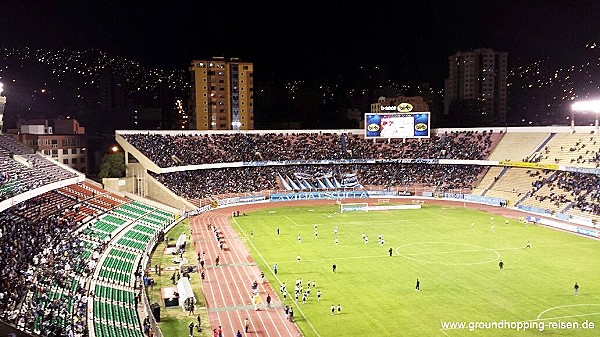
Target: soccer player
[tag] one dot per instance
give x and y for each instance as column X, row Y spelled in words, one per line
column 247, row 325
column 333, row 267
column 299, row 238
column 318, row 295
column 576, row 289
column 337, row 241
column 501, row 265
column 332, row 310
column 528, row 244
column 339, row 308
column 418, row 286
column 390, row 251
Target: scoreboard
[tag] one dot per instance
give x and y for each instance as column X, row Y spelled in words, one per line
column 397, row 125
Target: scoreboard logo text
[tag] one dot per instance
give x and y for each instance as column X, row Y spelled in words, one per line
column 402, row 107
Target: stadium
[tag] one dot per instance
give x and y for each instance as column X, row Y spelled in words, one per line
column 86, row 259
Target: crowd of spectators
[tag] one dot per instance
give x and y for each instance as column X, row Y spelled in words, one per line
column 443, row 177
column 580, row 190
column 589, row 154
column 180, row 150
column 35, row 171
column 9, row 145
column 41, row 264
column 21, row 170
column 199, row 184
column 195, row 149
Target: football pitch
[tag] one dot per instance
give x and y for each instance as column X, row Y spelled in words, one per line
column 455, row 254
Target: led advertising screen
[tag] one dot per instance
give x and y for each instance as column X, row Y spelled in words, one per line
column 397, row 125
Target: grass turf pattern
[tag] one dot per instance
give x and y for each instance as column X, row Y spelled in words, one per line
column 454, row 252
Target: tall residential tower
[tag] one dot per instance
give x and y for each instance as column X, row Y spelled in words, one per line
column 222, row 96
column 2, row 103
column 475, row 91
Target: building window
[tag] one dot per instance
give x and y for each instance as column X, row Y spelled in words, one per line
column 74, row 161
column 65, row 151
column 66, row 161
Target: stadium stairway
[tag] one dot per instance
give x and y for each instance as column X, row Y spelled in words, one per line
column 495, row 180
column 541, row 147
column 567, row 208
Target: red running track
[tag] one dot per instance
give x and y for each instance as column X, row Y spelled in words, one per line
column 227, row 287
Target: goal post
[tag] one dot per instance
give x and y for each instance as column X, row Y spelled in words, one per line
column 354, row 207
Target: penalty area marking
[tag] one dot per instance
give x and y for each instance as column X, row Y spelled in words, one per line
column 570, row 316
column 479, row 249
column 292, row 221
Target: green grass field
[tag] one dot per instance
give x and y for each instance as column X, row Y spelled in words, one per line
column 456, row 263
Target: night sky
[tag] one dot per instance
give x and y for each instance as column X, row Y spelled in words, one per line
column 304, row 39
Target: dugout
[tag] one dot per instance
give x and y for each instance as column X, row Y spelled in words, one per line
column 181, row 241
column 184, row 288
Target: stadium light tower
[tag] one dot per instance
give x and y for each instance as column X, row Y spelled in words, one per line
column 587, row 106
column 2, row 103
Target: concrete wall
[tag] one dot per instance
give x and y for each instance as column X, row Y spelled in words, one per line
column 123, row 185
column 157, row 191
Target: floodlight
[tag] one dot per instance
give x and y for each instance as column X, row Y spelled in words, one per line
column 591, row 106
